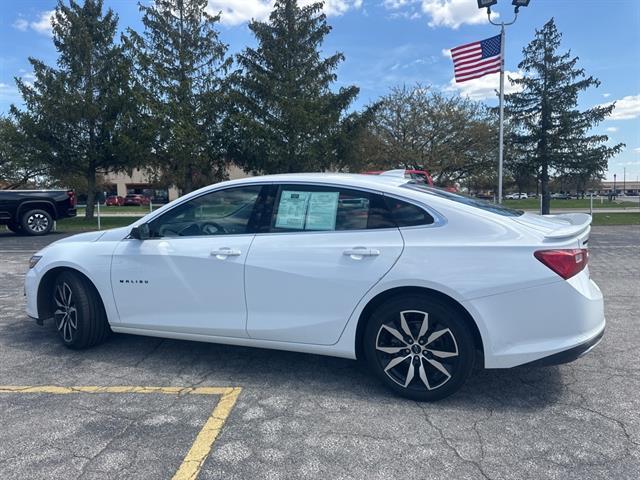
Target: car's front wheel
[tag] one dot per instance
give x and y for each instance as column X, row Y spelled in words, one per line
column 419, row 347
column 78, row 312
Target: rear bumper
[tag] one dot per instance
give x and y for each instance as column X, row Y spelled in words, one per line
column 538, row 323
column 71, row 212
column 569, row 355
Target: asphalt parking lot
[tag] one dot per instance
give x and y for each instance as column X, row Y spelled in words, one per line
column 305, row 416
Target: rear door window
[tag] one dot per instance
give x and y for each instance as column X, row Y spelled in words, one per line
column 324, row 208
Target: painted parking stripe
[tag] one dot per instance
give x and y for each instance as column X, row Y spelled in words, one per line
column 201, row 447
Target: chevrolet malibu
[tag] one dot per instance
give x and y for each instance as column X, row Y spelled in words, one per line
column 418, row 282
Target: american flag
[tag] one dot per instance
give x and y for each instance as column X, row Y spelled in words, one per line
column 477, row 59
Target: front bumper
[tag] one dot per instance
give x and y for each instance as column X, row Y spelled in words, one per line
column 31, row 292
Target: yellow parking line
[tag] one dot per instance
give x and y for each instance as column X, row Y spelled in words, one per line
column 55, row 389
column 201, row 447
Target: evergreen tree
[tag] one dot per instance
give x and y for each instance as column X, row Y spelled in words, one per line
column 287, row 119
column 181, row 66
column 20, row 161
column 549, row 130
column 79, row 114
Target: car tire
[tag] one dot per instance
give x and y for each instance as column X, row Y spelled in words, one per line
column 421, row 361
column 36, row 222
column 14, row 227
column 79, row 314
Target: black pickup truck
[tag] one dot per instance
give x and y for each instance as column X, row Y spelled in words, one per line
column 33, row 212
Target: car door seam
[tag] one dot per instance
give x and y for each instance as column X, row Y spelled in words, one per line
column 371, row 288
column 244, row 288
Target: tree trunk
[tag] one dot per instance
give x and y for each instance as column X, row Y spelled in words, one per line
column 188, row 180
column 544, row 184
column 91, row 192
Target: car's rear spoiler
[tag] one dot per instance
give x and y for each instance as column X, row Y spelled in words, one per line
column 579, row 222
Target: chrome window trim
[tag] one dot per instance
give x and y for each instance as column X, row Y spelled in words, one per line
column 439, row 220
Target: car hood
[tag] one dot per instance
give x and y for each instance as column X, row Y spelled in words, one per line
column 103, row 235
column 81, row 237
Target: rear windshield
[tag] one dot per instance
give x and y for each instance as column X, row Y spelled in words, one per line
column 465, row 199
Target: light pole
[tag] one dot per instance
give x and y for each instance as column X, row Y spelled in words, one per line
column 487, row 4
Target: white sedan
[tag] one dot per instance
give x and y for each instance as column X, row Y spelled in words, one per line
column 421, row 283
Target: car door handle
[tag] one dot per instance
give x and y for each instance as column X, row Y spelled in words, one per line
column 359, row 252
column 225, row 252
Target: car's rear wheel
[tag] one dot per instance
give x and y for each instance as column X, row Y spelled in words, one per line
column 36, row 222
column 79, row 315
column 420, row 347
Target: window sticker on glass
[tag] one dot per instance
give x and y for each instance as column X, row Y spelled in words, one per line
column 322, row 211
column 292, row 209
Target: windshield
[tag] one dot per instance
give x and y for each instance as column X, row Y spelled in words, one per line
column 465, row 199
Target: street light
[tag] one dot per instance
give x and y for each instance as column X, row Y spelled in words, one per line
column 520, row 3
column 487, row 4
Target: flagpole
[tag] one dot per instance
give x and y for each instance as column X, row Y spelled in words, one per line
column 501, row 147
column 501, row 135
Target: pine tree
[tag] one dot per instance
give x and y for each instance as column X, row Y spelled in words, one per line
column 287, row 119
column 20, row 161
column 79, row 114
column 181, row 69
column 549, row 130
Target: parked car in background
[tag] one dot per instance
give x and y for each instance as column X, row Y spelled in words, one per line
column 136, row 199
column 114, row 201
column 33, row 212
column 419, row 282
column 516, row 196
column 561, row 196
column 421, row 175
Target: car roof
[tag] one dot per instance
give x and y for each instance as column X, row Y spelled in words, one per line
column 377, row 182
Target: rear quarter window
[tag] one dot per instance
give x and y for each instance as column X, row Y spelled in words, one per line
column 405, row 214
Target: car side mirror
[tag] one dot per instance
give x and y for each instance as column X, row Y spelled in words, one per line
column 141, row 232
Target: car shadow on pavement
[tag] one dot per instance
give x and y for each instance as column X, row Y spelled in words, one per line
column 137, row 360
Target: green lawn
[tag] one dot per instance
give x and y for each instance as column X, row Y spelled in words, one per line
column 80, row 224
column 616, row 219
column 132, row 209
column 534, row 203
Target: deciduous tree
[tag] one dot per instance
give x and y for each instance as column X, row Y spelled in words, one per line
column 452, row 137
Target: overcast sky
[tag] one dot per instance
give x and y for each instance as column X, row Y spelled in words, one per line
column 391, row 42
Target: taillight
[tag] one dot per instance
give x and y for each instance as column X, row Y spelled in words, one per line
column 565, row 263
column 72, row 198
